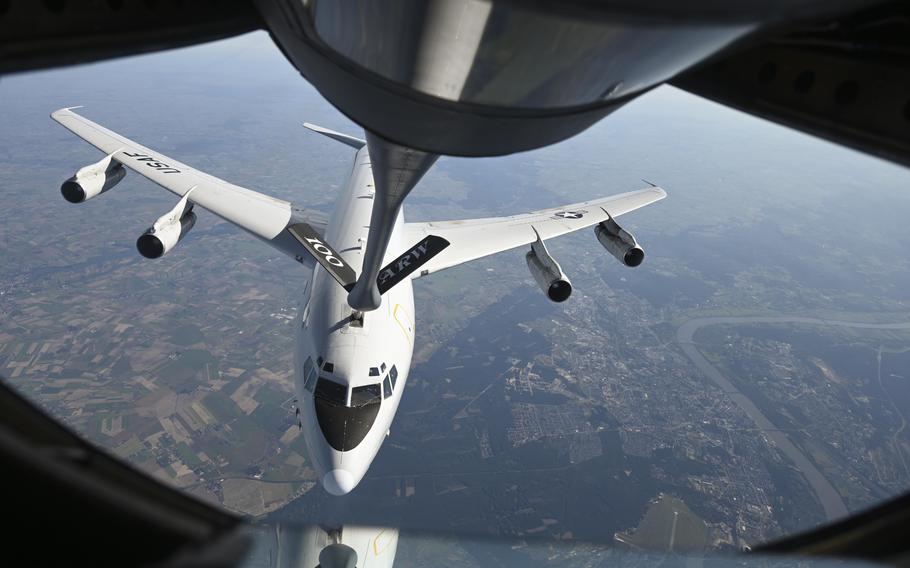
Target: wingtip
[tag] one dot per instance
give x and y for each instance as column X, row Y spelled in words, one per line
column 346, row 139
column 64, row 110
column 661, row 191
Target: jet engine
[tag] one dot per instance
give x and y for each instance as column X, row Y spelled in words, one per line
column 168, row 230
column 619, row 242
column 93, row 180
column 547, row 272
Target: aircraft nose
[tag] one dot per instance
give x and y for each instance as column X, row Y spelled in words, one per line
column 338, row 482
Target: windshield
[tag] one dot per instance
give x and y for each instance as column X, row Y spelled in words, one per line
column 345, row 427
column 368, row 394
column 331, row 392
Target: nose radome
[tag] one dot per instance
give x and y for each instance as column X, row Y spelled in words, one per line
column 338, row 482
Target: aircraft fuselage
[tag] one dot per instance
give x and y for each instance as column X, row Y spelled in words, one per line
column 350, row 369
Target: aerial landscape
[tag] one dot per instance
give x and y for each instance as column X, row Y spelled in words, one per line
column 751, row 379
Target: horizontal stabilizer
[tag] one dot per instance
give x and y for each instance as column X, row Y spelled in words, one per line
column 324, row 255
column 355, row 143
column 409, row 261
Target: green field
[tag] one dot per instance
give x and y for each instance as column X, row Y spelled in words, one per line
column 187, row 371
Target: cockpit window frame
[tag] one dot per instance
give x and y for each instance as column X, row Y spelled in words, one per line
column 307, row 366
column 309, row 375
column 377, row 399
column 338, row 387
column 386, row 388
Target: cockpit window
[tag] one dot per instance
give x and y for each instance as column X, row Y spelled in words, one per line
column 307, row 366
column 374, row 372
column 365, row 395
column 331, row 392
column 386, row 387
column 393, row 374
column 329, row 367
column 309, row 374
column 382, row 367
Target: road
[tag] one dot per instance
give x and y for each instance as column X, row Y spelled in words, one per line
column 830, row 499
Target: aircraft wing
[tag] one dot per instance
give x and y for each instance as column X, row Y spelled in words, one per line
column 475, row 238
column 263, row 216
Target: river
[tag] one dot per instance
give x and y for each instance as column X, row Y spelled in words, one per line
column 830, row 499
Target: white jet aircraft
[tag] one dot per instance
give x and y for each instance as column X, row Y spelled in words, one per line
column 350, row 366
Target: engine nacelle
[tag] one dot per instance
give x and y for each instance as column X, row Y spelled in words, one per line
column 548, row 274
column 93, row 180
column 619, row 242
column 162, row 237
